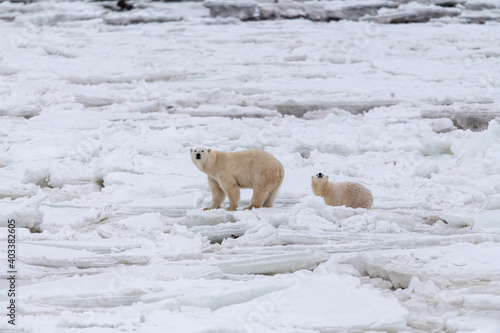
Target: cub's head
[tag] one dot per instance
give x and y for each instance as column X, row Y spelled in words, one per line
column 318, row 182
column 199, row 156
column 320, row 177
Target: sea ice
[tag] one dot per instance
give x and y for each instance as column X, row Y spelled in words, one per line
column 100, row 108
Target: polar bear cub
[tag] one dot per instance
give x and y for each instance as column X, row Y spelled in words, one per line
column 228, row 172
column 348, row 194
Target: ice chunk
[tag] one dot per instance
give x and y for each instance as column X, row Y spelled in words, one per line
column 208, row 217
column 451, row 264
column 413, row 12
column 221, row 231
column 25, row 211
column 244, row 10
column 273, row 264
column 261, row 234
column 140, row 17
column 488, row 222
column 323, row 303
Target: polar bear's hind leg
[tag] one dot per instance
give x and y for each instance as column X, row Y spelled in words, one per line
column 259, row 196
column 270, row 199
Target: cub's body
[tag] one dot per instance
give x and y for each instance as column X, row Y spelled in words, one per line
column 341, row 194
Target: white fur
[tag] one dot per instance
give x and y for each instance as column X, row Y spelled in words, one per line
column 342, row 194
column 228, row 172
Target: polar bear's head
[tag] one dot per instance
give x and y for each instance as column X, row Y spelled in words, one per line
column 199, row 156
column 318, row 183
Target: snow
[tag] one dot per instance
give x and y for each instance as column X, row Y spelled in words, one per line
column 100, row 108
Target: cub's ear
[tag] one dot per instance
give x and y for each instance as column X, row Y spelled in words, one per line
column 209, row 150
column 312, row 177
column 326, row 177
column 191, row 150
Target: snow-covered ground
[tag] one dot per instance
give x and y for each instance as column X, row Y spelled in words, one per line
column 98, row 110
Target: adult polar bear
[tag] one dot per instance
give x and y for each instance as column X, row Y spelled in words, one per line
column 228, row 172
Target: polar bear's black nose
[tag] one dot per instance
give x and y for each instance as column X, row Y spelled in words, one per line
column 198, row 156
column 320, row 175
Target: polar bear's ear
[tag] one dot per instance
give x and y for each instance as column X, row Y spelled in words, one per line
column 191, row 150
column 326, row 177
column 209, row 150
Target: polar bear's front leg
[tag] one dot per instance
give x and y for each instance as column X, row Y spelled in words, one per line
column 233, row 194
column 218, row 194
column 231, row 189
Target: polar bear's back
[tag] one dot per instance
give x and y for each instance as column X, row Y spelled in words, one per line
column 251, row 167
column 352, row 195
